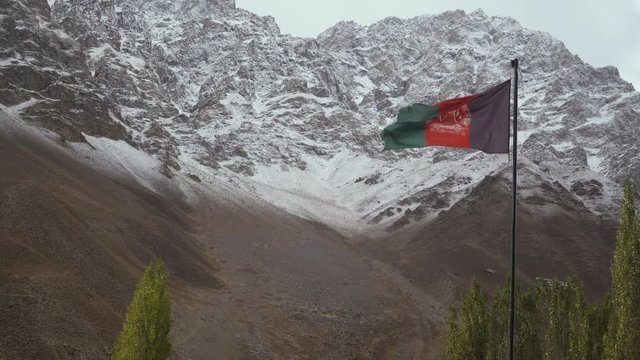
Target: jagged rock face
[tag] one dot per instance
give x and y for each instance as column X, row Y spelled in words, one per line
column 574, row 112
column 202, row 81
column 43, row 75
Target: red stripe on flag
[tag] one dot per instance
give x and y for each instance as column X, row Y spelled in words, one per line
column 453, row 124
column 451, row 104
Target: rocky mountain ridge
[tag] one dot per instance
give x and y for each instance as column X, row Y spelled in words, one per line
column 218, row 93
column 250, row 161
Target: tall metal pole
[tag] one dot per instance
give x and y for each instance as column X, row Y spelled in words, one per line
column 514, row 184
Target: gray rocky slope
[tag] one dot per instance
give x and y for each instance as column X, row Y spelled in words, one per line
column 218, row 93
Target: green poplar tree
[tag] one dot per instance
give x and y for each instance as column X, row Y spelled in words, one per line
column 563, row 319
column 451, row 346
column 145, row 334
column 469, row 340
column 473, row 332
column 597, row 319
column 578, row 331
column 527, row 340
column 551, row 296
column 553, row 321
column 498, row 325
column 622, row 340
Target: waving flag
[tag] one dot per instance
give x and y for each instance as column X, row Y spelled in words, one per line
column 478, row 121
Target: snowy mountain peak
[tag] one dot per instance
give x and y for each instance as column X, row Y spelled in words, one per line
column 218, row 92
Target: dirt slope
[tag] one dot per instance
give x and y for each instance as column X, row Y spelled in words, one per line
column 556, row 236
column 296, row 291
column 72, row 245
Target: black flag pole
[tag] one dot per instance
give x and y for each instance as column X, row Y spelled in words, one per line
column 512, row 309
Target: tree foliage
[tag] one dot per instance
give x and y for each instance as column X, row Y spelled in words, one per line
column 145, row 334
column 527, row 342
column 469, row 341
column 622, row 340
column 498, row 326
column 554, row 321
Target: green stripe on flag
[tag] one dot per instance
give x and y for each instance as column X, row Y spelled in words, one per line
column 409, row 130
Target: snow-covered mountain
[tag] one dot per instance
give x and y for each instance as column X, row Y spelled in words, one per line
column 219, row 94
column 195, row 131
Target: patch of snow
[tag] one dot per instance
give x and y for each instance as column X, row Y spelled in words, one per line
column 17, row 109
column 258, row 106
column 596, row 121
column 352, row 188
column 594, row 159
column 289, row 96
column 563, row 146
column 11, row 62
column 136, row 62
column 61, row 33
column 523, row 135
column 233, row 98
column 97, row 52
column 120, row 158
column 130, row 112
column 552, row 127
column 365, row 86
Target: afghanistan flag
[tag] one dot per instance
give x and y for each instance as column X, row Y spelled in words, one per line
column 478, row 121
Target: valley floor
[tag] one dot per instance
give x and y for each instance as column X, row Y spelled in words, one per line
column 295, row 289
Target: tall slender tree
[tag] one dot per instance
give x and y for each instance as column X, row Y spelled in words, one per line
column 451, row 346
column 578, row 321
column 597, row 319
column 145, row 334
column 527, row 325
column 552, row 296
column 498, row 325
column 469, row 340
column 473, row 332
column 622, row 341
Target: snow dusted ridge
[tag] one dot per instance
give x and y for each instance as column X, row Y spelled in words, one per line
column 219, row 93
